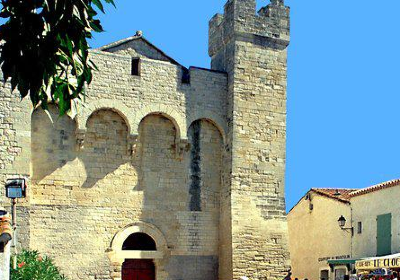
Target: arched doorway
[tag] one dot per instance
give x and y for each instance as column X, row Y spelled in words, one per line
column 136, row 248
column 139, row 241
column 139, row 269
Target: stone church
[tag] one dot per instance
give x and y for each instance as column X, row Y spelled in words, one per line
column 166, row 172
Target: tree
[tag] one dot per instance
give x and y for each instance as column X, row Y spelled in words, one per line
column 44, row 50
column 32, row 266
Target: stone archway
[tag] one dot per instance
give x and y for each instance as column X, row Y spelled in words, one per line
column 128, row 257
column 139, row 269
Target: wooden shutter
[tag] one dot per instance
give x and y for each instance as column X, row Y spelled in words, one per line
column 384, row 235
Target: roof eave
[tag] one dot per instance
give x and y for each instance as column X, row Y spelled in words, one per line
column 136, row 37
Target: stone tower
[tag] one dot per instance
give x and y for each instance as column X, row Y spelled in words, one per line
column 252, row 49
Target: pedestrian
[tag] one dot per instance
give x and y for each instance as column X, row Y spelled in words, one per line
column 395, row 275
column 288, row 276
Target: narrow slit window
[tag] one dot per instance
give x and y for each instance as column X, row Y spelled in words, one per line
column 185, row 76
column 359, row 227
column 135, row 71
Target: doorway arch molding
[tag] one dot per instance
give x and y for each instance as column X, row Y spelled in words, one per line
column 117, row 256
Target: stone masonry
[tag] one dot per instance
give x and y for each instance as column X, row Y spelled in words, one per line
column 193, row 158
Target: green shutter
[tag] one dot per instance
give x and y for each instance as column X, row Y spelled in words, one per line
column 384, row 235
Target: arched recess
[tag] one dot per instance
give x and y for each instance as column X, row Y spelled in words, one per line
column 205, row 165
column 118, row 255
column 53, row 142
column 177, row 118
column 212, row 117
column 157, row 156
column 133, row 116
column 105, row 144
column 114, row 105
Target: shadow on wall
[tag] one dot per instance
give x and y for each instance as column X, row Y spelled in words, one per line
column 162, row 175
column 56, row 154
column 156, row 156
column 53, row 142
column 105, row 145
column 54, row 147
column 180, row 195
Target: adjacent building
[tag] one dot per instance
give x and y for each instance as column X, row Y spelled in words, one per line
column 323, row 248
column 376, row 220
column 314, row 234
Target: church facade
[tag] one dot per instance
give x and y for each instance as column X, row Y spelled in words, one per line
column 165, row 172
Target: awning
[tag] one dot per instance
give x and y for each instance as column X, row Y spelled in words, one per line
column 390, row 261
column 342, row 262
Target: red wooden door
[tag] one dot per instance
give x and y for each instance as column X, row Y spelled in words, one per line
column 138, row 270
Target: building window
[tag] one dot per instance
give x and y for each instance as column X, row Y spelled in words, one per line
column 340, row 274
column 185, row 76
column 359, row 227
column 135, row 71
column 324, row 275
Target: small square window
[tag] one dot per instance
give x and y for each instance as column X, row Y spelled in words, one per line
column 185, row 76
column 359, row 227
column 135, row 71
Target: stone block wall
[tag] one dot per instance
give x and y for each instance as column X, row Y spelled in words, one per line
column 200, row 160
column 259, row 136
column 125, row 158
column 112, row 190
column 15, row 152
column 251, row 48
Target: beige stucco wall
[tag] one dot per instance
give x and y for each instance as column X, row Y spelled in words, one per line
column 315, row 236
column 366, row 208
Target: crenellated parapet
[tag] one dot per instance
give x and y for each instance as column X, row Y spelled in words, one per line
column 271, row 25
column 251, row 47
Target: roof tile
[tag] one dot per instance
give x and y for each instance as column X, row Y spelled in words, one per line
column 377, row 187
column 342, row 195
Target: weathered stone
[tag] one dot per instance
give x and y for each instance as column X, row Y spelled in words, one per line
column 195, row 158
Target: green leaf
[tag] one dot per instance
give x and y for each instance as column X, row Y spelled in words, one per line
column 96, row 26
column 31, row 265
column 45, row 54
column 110, row 2
column 98, row 5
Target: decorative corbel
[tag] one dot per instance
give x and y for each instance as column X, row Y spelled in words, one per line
column 133, row 141
column 181, row 146
column 80, row 139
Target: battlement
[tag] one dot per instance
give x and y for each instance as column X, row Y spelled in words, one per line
column 240, row 19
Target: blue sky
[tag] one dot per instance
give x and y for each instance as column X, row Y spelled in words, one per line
column 343, row 87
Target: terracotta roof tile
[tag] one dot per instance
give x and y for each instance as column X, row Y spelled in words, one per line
column 377, row 187
column 342, row 195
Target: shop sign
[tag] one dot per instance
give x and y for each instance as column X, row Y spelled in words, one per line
column 342, row 257
column 378, row 263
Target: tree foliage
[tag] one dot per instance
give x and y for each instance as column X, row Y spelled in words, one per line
column 32, row 266
column 44, row 48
